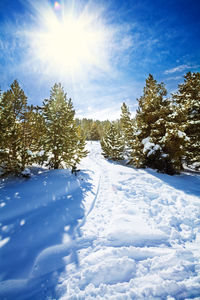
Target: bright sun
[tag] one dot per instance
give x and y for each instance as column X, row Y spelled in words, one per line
column 69, row 42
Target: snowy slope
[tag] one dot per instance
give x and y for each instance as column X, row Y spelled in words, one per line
column 112, row 232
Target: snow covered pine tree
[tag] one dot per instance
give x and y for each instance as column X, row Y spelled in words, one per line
column 159, row 139
column 187, row 102
column 112, row 143
column 128, row 131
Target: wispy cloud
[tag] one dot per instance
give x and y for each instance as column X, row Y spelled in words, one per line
column 177, row 69
column 174, row 78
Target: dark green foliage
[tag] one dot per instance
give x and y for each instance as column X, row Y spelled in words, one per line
column 128, row 130
column 126, row 126
column 126, row 122
column 14, row 152
column 113, row 144
column 187, row 101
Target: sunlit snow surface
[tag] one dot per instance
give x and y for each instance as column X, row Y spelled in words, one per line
column 112, row 232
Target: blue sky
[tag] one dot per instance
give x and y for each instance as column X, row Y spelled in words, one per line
column 130, row 40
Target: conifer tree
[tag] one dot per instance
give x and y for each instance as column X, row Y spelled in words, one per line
column 63, row 140
column 112, row 144
column 187, row 103
column 146, row 117
column 126, row 122
column 13, row 155
column 79, row 147
column 158, row 139
column 127, row 125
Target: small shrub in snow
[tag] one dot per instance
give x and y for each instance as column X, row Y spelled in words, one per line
column 26, row 173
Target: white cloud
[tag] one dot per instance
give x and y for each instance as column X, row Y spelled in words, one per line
column 177, row 69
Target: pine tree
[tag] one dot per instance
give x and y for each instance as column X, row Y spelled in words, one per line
column 126, row 122
column 173, row 141
column 63, row 140
column 79, row 147
column 112, row 144
column 127, row 125
column 147, row 115
column 187, row 102
column 158, row 139
column 136, row 155
column 13, row 155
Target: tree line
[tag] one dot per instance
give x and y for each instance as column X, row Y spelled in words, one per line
column 92, row 130
column 43, row 135
column 164, row 134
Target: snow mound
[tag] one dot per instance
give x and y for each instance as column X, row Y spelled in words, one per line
column 132, row 230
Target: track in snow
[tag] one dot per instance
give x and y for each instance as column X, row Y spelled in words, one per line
column 144, row 235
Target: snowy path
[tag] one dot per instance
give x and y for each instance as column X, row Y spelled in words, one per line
column 144, row 233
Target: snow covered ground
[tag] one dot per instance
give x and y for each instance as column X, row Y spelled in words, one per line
column 112, row 232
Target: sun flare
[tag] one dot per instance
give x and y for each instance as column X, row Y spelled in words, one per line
column 70, row 43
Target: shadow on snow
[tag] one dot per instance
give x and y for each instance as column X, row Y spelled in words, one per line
column 39, row 217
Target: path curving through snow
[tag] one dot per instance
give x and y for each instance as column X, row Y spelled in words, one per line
column 144, row 229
